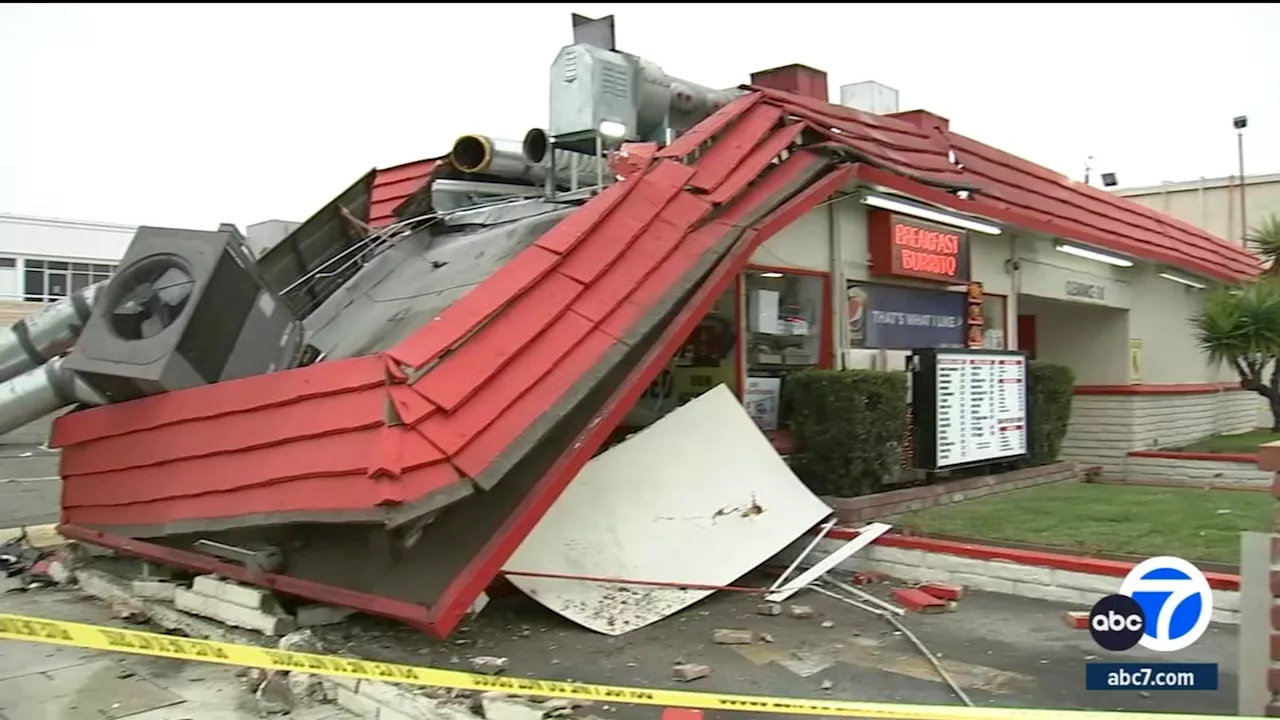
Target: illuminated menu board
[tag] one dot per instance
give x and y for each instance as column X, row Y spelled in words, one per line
column 970, row 407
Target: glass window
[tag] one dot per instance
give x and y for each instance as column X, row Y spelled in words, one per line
column 48, row 280
column 706, row 359
column 994, row 336
column 784, row 329
column 33, row 285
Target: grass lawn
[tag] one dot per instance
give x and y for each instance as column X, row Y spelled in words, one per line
column 1191, row 523
column 1242, row 443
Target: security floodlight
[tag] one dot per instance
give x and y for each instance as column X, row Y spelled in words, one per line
column 612, row 129
column 1241, row 122
column 1108, row 180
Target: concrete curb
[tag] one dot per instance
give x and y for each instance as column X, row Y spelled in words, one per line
column 364, row 698
column 41, row 536
column 1197, row 469
column 999, row 571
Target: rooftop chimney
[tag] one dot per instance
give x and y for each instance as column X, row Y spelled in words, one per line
column 796, row 79
column 870, row 96
column 924, row 119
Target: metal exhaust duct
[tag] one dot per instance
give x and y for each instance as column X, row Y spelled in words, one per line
column 511, row 159
column 535, row 146
column 41, row 391
column 33, row 341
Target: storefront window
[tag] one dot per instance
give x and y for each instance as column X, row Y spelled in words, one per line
column 994, row 336
column 706, row 359
column 784, row 327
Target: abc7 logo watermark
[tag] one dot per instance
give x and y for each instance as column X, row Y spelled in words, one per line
column 1117, row 622
column 1164, row 604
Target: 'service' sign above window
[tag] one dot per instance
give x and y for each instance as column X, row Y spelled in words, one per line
column 904, row 246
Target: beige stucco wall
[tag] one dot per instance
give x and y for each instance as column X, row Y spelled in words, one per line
column 1213, row 205
column 1161, row 319
column 1090, row 336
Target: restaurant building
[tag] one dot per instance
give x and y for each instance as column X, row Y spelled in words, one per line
column 1063, row 271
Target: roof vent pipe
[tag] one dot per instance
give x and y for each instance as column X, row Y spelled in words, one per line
column 32, row 341
column 527, row 160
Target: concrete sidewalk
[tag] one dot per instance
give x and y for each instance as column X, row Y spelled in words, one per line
column 47, row 682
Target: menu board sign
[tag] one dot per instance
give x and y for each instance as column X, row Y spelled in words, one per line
column 970, row 407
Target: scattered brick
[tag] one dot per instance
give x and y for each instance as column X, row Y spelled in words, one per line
column 726, row 636
column 769, row 609
column 942, row 591
column 681, row 714
column 488, row 664
column 918, row 600
column 800, row 611
column 1076, row 619
column 688, row 672
column 870, row 577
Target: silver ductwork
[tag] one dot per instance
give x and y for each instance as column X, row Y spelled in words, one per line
column 41, row 391
column 449, row 195
column 33, row 341
column 528, row 161
column 33, row 382
column 593, row 87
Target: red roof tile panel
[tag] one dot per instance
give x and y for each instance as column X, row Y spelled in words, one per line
column 393, row 185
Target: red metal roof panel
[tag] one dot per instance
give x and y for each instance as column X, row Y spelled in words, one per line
column 393, row 185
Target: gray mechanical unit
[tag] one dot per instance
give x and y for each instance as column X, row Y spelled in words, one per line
column 593, row 86
column 185, row 308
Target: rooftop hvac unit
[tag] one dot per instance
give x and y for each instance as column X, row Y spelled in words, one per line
column 870, row 96
column 598, row 90
column 185, row 308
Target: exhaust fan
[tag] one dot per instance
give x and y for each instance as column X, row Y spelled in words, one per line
column 185, row 308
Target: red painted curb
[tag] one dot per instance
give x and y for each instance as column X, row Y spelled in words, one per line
column 1072, row 563
column 1251, row 458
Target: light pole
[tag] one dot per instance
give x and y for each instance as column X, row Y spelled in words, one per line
column 1240, row 123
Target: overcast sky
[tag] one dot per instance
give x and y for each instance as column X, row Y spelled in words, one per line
column 191, row 115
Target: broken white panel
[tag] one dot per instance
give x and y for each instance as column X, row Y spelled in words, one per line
column 867, row 536
column 698, row 497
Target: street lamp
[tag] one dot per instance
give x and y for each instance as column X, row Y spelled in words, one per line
column 1240, row 122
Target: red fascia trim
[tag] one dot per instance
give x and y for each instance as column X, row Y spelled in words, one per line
column 1251, row 458
column 409, row 613
column 739, row 337
column 978, row 206
column 1157, row 389
column 1071, row 563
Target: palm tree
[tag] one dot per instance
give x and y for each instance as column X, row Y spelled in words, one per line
column 1241, row 328
column 1265, row 240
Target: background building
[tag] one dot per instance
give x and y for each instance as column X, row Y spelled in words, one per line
column 42, row 259
column 1213, row 204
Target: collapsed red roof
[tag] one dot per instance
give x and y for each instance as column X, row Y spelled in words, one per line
column 912, row 151
column 447, row 412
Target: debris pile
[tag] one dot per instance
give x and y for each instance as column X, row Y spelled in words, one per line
column 23, row 566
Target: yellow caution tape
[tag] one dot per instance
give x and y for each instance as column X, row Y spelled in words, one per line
column 95, row 637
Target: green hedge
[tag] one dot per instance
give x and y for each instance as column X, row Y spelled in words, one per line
column 1051, row 389
column 848, row 427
